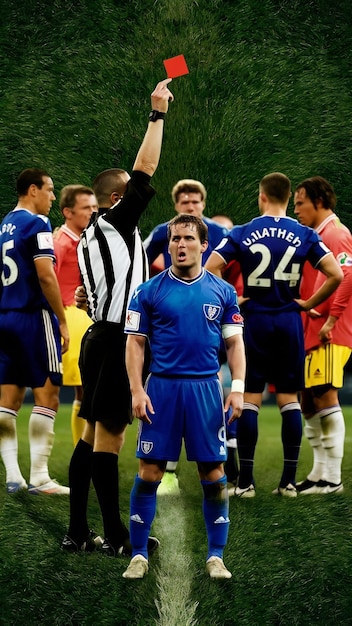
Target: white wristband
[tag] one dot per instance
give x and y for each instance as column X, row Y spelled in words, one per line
column 237, row 385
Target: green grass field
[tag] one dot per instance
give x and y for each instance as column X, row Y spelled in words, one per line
column 291, row 559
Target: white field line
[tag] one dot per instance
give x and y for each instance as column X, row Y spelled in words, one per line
column 174, row 578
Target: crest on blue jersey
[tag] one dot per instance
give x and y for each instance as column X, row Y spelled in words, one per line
column 147, row 446
column 211, row 311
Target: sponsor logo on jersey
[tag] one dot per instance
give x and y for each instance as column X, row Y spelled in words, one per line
column 211, row 311
column 147, row 446
column 237, row 318
column 344, row 260
column 132, row 320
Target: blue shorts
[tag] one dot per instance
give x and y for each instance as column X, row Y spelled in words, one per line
column 30, row 349
column 189, row 409
column 275, row 354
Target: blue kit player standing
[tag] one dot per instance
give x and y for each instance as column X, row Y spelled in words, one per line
column 185, row 313
column 189, row 196
column 272, row 250
column 32, row 325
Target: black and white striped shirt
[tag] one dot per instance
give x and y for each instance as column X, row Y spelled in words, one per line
column 111, row 255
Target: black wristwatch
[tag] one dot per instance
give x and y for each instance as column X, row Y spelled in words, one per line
column 156, row 115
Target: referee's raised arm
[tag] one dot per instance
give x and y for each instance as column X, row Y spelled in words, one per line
column 148, row 155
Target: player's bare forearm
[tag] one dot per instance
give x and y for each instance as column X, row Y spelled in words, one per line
column 51, row 290
column 148, row 155
column 50, row 287
column 325, row 333
column 237, row 363
column 135, row 347
column 334, row 276
column 215, row 264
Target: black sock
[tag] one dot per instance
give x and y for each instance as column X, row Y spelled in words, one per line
column 230, row 465
column 80, row 473
column 105, row 476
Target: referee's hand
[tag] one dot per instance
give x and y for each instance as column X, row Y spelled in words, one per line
column 161, row 96
column 81, row 298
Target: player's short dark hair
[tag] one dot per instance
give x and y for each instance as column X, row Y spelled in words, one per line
column 185, row 218
column 318, row 188
column 276, row 186
column 69, row 193
column 28, row 177
column 188, row 185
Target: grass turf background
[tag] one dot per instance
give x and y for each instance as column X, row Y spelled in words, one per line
column 269, row 89
column 291, row 559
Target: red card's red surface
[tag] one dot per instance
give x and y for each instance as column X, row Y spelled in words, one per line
column 176, row 66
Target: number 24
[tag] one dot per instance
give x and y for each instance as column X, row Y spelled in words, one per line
column 280, row 273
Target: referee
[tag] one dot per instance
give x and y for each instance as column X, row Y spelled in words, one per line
column 112, row 263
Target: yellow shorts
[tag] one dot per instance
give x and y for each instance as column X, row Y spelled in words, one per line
column 77, row 321
column 325, row 364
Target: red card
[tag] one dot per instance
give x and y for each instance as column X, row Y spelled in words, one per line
column 176, row 66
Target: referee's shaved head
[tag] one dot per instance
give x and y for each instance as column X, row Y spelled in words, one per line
column 109, row 184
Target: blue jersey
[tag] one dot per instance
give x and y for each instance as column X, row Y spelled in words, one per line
column 157, row 242
column 272, row 252
column 24, row 237
column 183, row 321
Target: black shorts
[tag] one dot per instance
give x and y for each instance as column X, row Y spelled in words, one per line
column 106, row 390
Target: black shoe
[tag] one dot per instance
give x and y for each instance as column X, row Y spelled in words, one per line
column 125, row 549
column 91, row 543
column 153, row 544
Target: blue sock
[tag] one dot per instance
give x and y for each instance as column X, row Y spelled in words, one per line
column 142, row 507
column 216, row 515
column 247, row 437
column 291, row 435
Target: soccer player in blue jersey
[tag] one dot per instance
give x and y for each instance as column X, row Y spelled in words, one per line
column 189, row 196
column 184, row 312
column 32, row 327
column 272, row 250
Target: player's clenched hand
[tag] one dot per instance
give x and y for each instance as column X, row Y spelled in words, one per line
column 235, row 401
column 140, row 403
